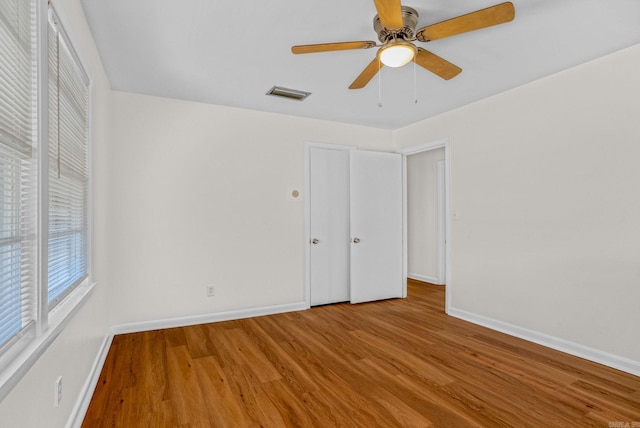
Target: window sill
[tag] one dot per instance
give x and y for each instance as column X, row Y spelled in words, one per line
column 58, row 320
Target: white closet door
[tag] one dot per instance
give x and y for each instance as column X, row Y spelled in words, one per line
column 376, row 226
column 329, row 226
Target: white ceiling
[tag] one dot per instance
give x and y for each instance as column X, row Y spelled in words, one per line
column 231, row 52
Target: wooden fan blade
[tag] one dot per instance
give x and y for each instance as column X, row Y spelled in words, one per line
column 367, row 74
column 390, row 13
column 438, row 66
column 494, row 15
column 326, row 47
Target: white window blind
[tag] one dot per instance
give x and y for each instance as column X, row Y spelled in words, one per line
column 68, row 168
column 44, row 184
column 17, row 172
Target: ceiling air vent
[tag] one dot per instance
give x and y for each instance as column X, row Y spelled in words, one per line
column 292, row 94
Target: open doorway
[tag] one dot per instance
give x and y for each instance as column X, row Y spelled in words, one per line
column 426, row 213
column 425, row 216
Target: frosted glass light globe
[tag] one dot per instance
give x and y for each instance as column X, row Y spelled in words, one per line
column 397, row 54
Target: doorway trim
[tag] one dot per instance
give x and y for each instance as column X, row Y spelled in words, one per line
column 307, row 210
column 441, row 143
column 442, row 225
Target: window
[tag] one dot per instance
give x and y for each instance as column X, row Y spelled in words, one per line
column 17, row 172
column 68, row 168
column 44, row 184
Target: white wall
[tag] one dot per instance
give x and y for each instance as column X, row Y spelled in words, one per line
column 422, row 215
column 544, row 179
column 71, row 355
column 199, row 197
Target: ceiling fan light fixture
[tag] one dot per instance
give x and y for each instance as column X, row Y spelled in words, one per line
column 397, row 53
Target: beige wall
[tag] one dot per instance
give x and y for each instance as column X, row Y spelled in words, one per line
column 71, row 355
column 199, row 196
column 422, row 215
column 544, row 179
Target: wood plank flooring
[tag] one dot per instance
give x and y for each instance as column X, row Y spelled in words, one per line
column 396, row 363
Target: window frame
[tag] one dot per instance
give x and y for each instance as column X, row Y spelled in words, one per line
column 49, row 323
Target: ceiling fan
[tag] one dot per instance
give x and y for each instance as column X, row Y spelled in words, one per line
column 395, row 25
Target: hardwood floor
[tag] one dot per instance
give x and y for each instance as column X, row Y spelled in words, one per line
column 396, row 363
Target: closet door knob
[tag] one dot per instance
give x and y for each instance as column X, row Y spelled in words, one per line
column 314, row 241
column 356, row 240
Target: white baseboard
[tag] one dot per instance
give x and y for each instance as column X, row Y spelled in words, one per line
column 84, row 398
column 207, row 318
column 424, row 278
column 610, row 360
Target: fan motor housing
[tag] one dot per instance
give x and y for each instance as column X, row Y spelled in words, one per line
column 407, row 32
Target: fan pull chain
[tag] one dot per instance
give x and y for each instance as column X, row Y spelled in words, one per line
column 415, row 84
column 379, row 85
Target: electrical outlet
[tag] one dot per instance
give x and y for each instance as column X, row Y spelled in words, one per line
column 211, row 290
column 58, row 391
